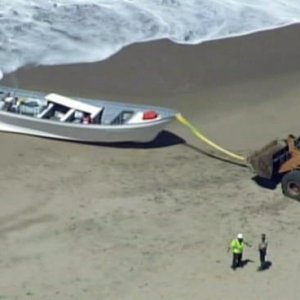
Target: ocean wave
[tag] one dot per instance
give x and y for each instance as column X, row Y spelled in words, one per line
column 48, row 32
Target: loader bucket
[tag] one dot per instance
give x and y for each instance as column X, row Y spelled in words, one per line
column 265, row 162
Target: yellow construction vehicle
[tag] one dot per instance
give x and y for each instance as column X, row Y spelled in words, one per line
column 277, row 161
column 280, row 159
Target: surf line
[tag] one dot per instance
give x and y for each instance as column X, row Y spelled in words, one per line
column 202, row 137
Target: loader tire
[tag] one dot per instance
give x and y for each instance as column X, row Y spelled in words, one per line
column 290, row 185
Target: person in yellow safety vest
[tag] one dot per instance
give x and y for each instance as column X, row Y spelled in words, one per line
column 237, row 247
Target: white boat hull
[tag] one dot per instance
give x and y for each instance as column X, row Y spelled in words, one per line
column 108, row 128
column 85, row 133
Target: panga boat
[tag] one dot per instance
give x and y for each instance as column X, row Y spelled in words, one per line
column 86, row 120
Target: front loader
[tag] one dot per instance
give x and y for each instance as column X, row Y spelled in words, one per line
column 280, row 159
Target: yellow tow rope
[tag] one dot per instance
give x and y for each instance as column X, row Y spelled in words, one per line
column 199, row 135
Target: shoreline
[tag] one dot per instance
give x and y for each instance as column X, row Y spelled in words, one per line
column 163, row 68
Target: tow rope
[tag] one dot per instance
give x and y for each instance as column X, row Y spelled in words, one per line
column 200, row 136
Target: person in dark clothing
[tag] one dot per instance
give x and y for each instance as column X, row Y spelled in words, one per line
column 262, row 249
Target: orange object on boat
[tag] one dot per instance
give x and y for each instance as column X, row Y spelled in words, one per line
column 150, row 115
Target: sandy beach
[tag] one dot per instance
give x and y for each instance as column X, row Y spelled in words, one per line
column 80, row 221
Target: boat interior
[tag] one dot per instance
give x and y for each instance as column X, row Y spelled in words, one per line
column 63, row 109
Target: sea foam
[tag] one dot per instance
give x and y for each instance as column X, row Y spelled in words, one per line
column 48, row 32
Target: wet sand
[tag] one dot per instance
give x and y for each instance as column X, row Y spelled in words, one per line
column 91, row 222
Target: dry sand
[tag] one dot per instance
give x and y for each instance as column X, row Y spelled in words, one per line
column 90, row 222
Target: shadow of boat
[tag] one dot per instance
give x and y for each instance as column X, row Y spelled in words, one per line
column 164, row 139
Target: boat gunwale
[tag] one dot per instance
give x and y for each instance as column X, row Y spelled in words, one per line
column 166, row 114
column 91, row 126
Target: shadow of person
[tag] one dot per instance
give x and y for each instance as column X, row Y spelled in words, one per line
column 267, row 265
column 245, row 262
